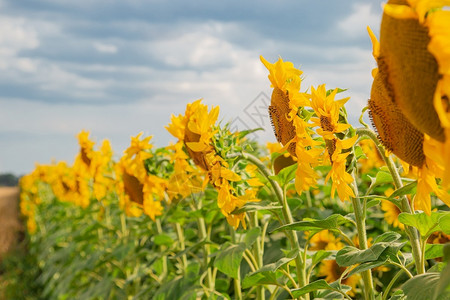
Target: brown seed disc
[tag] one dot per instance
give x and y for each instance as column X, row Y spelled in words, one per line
column 396, row 133
column 412, row 71
column 284, row 130
column 134, row 188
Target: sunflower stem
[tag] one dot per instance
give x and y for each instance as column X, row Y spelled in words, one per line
column 360, row 216
column 237, row 281
column 258, row 253
column 281, row 196
column 412, row 233
column 163, row 248
column 206, row 250
column 180, row 236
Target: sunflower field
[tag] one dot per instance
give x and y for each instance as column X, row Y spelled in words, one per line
column 328, row 211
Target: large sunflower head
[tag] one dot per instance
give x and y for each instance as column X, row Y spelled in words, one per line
column 285, row 79
column 411, row 88
column 195, row 130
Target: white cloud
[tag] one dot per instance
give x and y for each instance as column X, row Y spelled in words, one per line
column 362, row 15
column 105, row 48
column 16, row 35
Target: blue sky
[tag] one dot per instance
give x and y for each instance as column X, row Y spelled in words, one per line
column 117, row 68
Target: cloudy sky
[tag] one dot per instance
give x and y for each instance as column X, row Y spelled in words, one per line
column 117, row 67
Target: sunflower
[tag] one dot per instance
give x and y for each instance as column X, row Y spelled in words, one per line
column 186, row 178
column 332, row 271
column 195, row 131
column 411, row 88
column 292, row 131
column 137, row 189
column 338, row 174
column 103, row 171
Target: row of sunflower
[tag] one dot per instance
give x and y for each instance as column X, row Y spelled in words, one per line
column 212, row 216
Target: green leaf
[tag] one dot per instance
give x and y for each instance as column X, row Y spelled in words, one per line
column 318, row 285
column 319, row 256
column 243, row 133
column 313, row 286
column 387, row 237
column 398, row 295
column 349, row 255
column 424, row 223
column 254, row 206
column 260, row 278
column 190, row 249
column 251, row 236
column 267, row 274
column 359, row 153
column 229, row 258
column 410, row 188
column 332, row 222
column 285, row 175
column 333, row 294
column 372, row 203
column 421, row 287
column 276, row 265
column 444, row 222
column 366, row 266
column 385, row 247
column 443, row 285
column 163, row 239
column 434, row 250
column 382, row 177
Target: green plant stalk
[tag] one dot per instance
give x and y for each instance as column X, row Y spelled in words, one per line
column 163, row 248
column 281, row 196
column 299, row 262
column 360, row 217
column 258, row 253
column 207, row 250
column 392, row 282
column 412, row 233
column 237, row 280
column 180, row 236
column 237, row 286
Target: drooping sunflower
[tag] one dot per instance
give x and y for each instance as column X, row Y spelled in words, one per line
column 137, row 189
column 195, row 130
column 328, row 125
column 103, row 171
column 411, row 88
column 292, row 131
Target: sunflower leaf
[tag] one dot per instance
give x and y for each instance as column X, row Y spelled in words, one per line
column 318, row 285
column 410, row 188
column 422, row 286
column 229, row 258
column 332, row 223
column 254, row 206
column 383, row 249
column 427, row 224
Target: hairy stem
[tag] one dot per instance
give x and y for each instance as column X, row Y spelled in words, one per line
column 412, row 233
